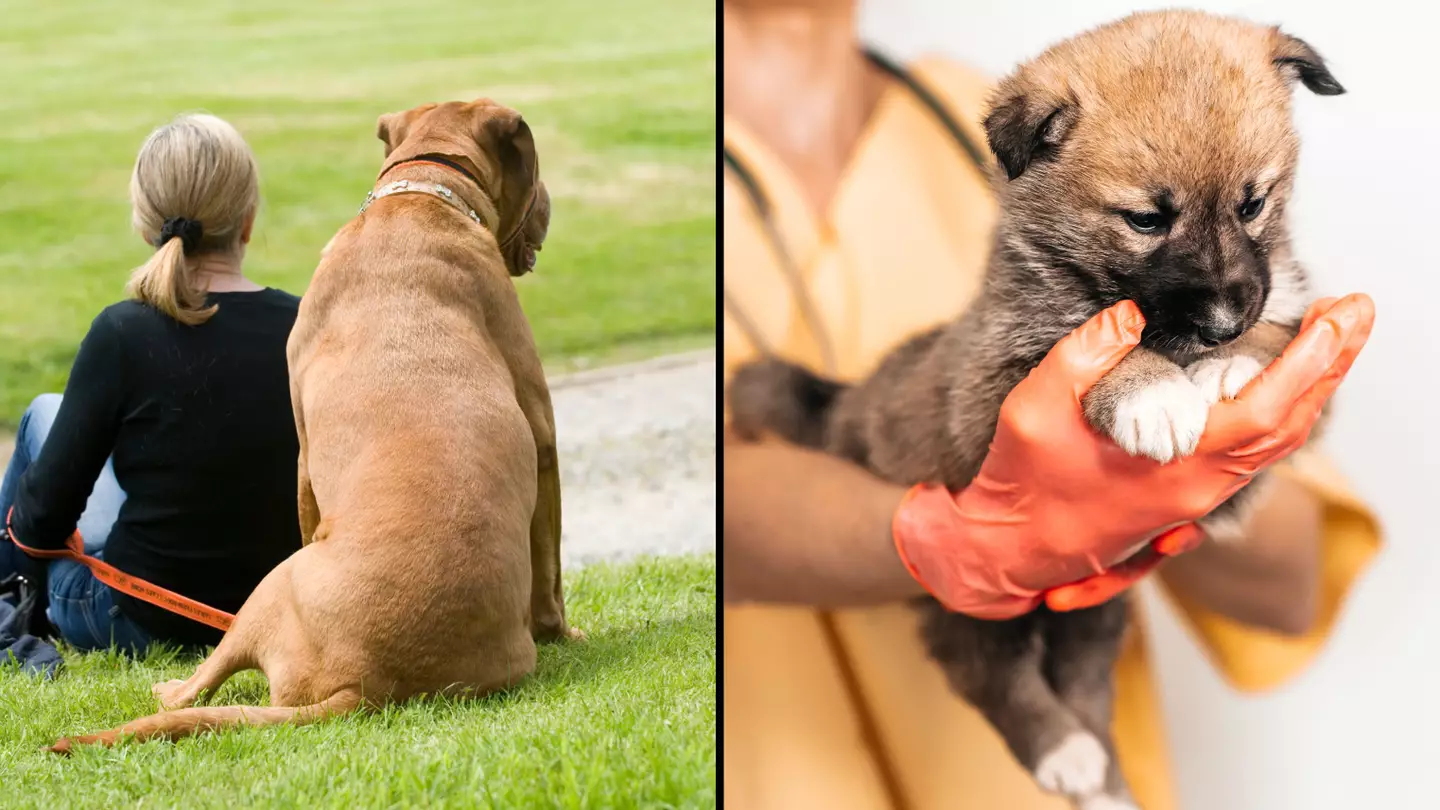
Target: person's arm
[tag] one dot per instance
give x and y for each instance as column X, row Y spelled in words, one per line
column 1054, row 509
column 802, row 527
column 1271, row 578
column 51, row 495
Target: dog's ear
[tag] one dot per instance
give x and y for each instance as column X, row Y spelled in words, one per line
column 505, row 131
column 1024, row 128
column 1297, row 60
column 392, row 128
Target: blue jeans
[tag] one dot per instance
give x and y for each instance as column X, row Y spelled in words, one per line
column 82, row 608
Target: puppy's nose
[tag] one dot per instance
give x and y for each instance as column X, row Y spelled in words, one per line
column 1219, row 324
column 1214, row 334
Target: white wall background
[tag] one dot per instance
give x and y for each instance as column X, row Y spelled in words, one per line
column 1361, row 729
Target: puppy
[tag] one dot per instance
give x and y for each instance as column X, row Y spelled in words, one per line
column 1149, row 159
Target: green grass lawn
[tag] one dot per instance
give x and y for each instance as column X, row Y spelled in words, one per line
column 620, row 94
column 625, row 719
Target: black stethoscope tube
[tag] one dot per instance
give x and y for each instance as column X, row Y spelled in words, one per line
column 788, row 266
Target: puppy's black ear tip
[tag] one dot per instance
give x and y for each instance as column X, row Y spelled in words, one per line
column 1324, row 86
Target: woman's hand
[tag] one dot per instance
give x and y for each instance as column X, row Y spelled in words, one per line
column 1056, row 503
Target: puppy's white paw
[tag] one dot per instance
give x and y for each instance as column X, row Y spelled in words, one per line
column 1076, row 767
column 1103, row 802
column 1162, row 421
column 1223, row 377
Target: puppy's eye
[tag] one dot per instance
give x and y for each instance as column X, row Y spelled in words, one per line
column 1145, row 221
column 1250, row 209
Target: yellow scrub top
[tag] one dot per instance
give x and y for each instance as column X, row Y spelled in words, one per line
column 841, row 710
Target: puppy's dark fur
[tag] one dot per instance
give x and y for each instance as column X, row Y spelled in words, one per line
column 1150, row 159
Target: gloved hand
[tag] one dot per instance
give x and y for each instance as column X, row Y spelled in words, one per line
column 1058, row 508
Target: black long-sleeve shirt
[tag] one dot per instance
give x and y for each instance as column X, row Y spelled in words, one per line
column 199, row 422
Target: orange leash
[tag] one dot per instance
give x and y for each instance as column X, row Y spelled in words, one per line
column 119, row 580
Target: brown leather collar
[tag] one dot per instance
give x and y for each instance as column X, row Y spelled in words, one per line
column 437, row 160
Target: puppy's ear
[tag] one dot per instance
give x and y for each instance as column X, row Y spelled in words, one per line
column 505, row 131
column 1297, row 60
column 1024, row 128
column 392, row 128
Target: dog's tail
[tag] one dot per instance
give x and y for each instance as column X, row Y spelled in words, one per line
column 782, row 398
column 173, row 725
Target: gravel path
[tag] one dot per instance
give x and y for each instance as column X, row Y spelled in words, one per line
column 637, row 459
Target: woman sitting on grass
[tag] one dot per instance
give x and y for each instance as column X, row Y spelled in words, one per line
column 175, row 423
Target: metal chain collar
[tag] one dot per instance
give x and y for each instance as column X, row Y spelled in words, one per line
column 419, row 187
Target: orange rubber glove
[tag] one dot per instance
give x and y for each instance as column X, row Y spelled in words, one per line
column 1058, row 512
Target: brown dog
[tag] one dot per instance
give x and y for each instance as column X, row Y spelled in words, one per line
column 429, row 488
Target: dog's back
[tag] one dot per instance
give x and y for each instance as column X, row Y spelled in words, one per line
column 414, row 443
column 390, row 357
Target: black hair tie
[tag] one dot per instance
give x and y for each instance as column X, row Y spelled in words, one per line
column 189, row 231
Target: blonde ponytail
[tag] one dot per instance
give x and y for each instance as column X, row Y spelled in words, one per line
column 164, row 283
column 194, row 189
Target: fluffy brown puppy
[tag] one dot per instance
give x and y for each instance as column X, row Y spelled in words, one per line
column 1150, row 159
column 429, row 488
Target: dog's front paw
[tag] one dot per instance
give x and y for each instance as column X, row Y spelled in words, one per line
column 556, row 631
column 1163, row 420
column 1223, row 377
